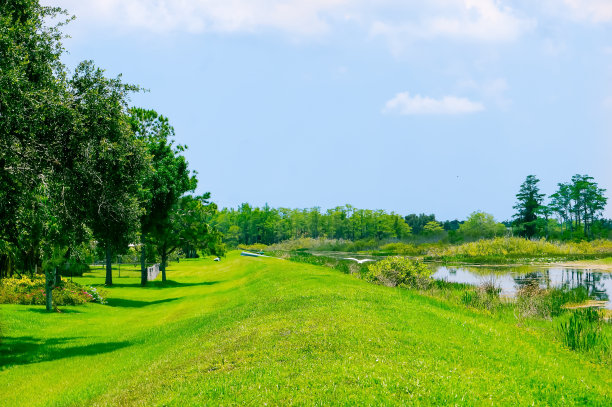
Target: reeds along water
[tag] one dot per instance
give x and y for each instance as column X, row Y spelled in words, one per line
column 583, row 329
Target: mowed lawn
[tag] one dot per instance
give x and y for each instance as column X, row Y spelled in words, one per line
column 261, row 331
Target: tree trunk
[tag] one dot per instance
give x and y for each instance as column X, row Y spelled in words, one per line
column 162, row 266
column 143, row 264
column 109, row 267
column 50, row 284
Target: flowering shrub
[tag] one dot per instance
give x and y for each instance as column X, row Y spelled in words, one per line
column 95, row 295
column 31, row 291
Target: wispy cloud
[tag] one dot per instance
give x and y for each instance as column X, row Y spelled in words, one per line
column 479, row 20
column 597, row 11
column 300, row 17
column 405, row 104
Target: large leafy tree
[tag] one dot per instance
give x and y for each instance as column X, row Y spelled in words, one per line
column 113, row 162
column 579, row 204
column 167, row 181
column 481, row 225
column 528, row 206
column 34, row 120
column 39, row 143
column 189, row 227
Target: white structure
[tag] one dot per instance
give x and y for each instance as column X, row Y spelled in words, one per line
column 152, row 272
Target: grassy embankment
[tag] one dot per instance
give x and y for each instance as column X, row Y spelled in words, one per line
column 255, row 331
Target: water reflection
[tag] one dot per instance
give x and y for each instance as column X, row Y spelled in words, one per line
column 598, row 284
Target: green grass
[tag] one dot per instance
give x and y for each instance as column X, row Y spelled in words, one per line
column 607, row 260
column 249, row 331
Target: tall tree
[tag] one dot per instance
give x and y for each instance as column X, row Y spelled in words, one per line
column 528, row 206
column 114, row 162
column 579, row 204
column 33, row 110
column 167, row 181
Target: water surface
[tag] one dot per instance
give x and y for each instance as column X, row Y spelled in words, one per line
column 511, row 278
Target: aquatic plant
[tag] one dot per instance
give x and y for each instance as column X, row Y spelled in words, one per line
column 583, row 329
column 485, row 296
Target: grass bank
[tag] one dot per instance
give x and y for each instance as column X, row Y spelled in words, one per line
column 260, row 330
column 514, row 249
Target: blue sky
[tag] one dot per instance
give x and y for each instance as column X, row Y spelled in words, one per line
column 441, row 107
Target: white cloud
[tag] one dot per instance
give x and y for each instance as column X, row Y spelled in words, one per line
column 479, row 20
column 607, row 103
column 597, row 11
column 301, row 17
column 405, row 104
column 470, row 20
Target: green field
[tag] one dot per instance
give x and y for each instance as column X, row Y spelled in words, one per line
column 255, row 331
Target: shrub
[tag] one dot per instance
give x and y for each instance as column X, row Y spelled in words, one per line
column 31, row 291
column 583, row 330
column 399, row 271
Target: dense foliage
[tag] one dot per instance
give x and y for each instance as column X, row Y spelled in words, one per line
column 267, row 225
column 81, row 171
column 399, row 271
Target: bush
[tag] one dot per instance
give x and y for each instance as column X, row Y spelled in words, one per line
column 583, row 330
column 400, row 271
column 31, row 291
column 485, row 296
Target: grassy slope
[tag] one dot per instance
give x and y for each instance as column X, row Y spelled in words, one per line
column 254, row 331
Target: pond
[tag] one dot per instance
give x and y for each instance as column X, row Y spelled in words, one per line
column 510, row 278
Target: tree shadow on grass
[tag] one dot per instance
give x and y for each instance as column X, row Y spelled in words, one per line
column 62, row 309
column 121, row 302
column 23, row 350
column 167, row 284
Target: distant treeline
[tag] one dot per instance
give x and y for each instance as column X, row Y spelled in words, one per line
column 573, row 213
column 249, row 225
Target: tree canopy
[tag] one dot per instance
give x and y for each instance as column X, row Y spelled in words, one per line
column 528, row 207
